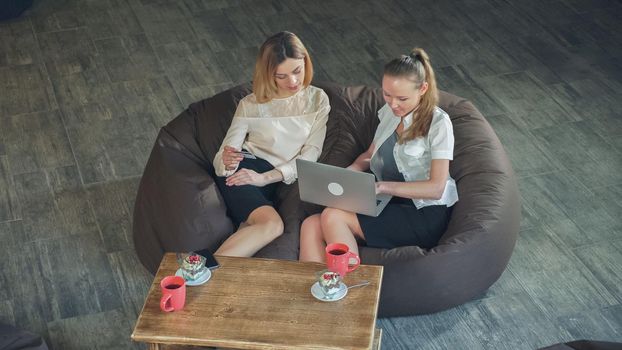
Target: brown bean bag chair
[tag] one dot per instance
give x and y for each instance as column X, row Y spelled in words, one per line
column 13, row 8
column 179, row 208
column 585, row 345
column 12, row 338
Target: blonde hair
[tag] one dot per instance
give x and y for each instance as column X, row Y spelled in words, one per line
column 416, row 67
column 273, row 52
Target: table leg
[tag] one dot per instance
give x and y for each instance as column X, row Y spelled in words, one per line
column 154, row 346
column 377, row 339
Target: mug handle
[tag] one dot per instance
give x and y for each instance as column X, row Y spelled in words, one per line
column 358, row 262
column 165, row 300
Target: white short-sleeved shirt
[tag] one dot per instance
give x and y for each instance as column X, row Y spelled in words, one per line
column 279, row 131
column 414, row 158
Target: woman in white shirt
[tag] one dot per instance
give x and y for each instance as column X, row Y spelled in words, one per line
column 282, row 120
column 410, row 157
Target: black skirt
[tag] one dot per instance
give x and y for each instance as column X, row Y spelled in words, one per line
column 242, row 200
column 402, row 224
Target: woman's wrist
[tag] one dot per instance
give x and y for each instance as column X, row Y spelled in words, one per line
column 381, row 187
column 272, row 176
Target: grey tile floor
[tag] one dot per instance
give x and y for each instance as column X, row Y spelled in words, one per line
column 85, row 86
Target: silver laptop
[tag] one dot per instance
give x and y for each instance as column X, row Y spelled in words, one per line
column 340, row 188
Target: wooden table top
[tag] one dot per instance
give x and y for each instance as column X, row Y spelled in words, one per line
column 252, row 303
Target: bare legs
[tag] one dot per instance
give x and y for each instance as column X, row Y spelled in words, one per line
column 312, row 240
column 262, row 227
column 332, row 226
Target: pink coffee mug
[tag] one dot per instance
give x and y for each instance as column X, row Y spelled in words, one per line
column 173, row 293
column 338, row 257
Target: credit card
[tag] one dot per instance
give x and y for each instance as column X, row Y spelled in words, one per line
column 247, row 154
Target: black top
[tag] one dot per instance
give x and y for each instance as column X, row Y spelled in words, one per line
column 384, row 160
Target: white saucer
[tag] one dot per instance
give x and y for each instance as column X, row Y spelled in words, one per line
column 206, row 276
column 318, row 293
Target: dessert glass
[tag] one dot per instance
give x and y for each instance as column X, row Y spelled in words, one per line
column 192, row 265
column 329, row 281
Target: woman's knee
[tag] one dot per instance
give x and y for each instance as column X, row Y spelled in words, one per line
column 276, row 226
column 269, row 220
column 331, row 216
column 311, row 228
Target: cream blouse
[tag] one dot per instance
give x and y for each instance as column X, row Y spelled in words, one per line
column 279, row 131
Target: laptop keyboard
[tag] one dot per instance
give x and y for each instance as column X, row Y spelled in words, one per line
column 378, row 201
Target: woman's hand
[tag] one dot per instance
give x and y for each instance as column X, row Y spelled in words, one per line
column 362, row 162
column 231, row 158
column 380, row 187
column 247, row 177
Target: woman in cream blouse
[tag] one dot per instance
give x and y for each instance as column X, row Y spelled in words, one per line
column 282, row 120
column 410, row 156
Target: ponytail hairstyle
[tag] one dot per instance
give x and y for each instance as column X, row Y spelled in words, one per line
column 416, row 68
column 274, row 51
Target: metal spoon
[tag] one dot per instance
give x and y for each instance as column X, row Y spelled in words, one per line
column 361, row 284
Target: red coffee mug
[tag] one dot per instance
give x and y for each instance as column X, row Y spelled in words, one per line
column 173, row 293
column 338, row 257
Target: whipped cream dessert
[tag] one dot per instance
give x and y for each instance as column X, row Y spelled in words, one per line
column 329, row 281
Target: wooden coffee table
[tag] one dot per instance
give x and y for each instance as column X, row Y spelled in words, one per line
column 252, row 303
